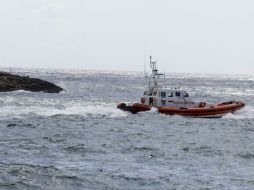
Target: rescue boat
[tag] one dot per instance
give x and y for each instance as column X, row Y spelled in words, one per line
column 174, row 101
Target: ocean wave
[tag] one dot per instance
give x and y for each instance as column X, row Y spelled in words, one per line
column 246, row 113
column 247, row 156
column 153, row 110
column 29, row 176
column 93, row 109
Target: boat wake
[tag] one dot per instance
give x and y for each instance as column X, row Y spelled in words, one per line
column 153, row 111
column 93, row 110
column 246, row 113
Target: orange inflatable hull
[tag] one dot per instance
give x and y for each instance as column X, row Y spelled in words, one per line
column 215, row 111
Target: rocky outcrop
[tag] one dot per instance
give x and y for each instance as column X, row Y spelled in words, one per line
column 9, row 82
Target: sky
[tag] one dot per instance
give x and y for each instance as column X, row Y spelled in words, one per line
column 200, row 36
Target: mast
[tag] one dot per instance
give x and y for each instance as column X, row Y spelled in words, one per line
column 155, row 75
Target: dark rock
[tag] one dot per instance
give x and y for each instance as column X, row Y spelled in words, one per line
column 186, row 149
column 12, row 125
column 9, row 82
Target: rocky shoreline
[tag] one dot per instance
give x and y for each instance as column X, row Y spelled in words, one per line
column 10, row 82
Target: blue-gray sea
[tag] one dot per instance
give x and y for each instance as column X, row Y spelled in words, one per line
column 78, row 140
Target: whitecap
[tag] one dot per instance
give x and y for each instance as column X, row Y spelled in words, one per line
column 153, row 110
column 246, row 113
column 92, row 109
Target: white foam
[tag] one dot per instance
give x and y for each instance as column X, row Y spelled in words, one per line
column 246, row 113
column 153, row 110
column 94, row 109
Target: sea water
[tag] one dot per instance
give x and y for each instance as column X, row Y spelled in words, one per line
column 79, row 140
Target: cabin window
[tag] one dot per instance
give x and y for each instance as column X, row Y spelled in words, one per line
column 185, row 94
column 178, row 94
column 155, row 93
column 163, row 94
column 163, row 102
column 145, row 93
column 171, row 94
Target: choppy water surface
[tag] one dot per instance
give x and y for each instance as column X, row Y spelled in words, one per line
column 79, row 140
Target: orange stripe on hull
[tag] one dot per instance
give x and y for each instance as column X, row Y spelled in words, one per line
column 195, row 112
column 217, row 111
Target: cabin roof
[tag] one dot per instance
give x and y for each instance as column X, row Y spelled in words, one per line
column 163, row 88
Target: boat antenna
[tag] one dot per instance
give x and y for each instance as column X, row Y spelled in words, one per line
column 145, row 73
column 154, row 68
column 155, row 74
column 145, row 62
column 153, row 65
column 164, row 79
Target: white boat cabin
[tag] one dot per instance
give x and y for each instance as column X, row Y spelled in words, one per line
column 159, row 96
